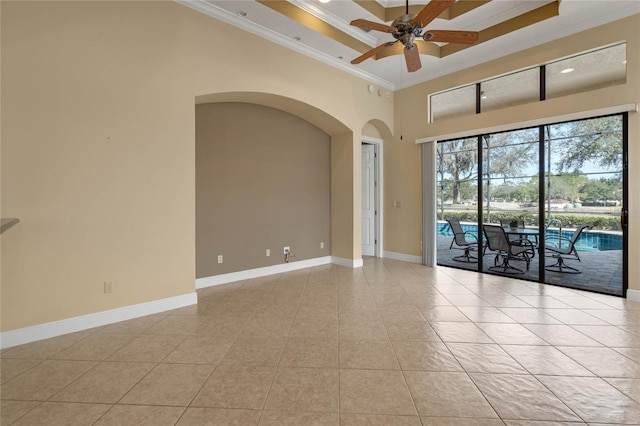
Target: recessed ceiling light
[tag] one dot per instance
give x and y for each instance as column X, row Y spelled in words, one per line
column 567, row 70
column 325, row 1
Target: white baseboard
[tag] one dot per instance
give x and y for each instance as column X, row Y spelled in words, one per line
column 633, row 295
column 349, row 263
column 403, row 257
column 85, row 322
column 261, row 272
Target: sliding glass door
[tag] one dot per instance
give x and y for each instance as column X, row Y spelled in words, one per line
column 552, row 195
column 583, row 200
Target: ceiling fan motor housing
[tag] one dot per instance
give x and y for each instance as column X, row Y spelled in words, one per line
column 405, row 30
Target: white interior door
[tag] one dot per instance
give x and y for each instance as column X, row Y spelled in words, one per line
column 368, row 201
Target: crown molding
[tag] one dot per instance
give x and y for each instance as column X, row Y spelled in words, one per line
column 239, row 22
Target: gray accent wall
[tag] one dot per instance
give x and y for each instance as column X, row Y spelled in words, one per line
column 262, row 182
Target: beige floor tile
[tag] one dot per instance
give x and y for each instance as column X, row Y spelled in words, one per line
column 443, row 314
column 218, row 417
column 182, row 325
column 458, row 421
column 461, row 300
column 10, row 368
column 133, row 326
column 522, row 397
column 96, row 347
column 147, row 348
column 545, row 360
column 140, row 415
column 631, row 353
column 304, row 389
column 603, row 362
column 374, row 392
column 424, row 355
column 407, row 312
column 561, row 335
column 503, row 300
column 265, row 351
column 199, row 350
column 10, row 411
column 529, row 316
column 257, row 327
column 236, row 387
column 574, row 317
column 318, row 353
column 581, row 302
column 44, row 380
column 463, row 332
column 485, row 358
column 543, row 302
column 511, row 334
column 485, row 314
column 617, row 316
column 63, row 413
column 363, row 330
column 630, row 387
column 169, row 384
column 347, row 419
column 44, row 349
column 368, row 354
column 314, row 328
column 296, row 418
column 106, row 383
column 543, row 423
column 610, row 335
column 447, row 394
column 594, row 399
column 401, row 329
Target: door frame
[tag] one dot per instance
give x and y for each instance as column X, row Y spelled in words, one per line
column 379, row 202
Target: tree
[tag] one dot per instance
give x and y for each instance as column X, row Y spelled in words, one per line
column 595, row 141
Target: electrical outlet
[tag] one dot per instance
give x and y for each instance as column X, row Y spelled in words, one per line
column 220, row 259
column 268, row 252
column 108, row 286
column 287, row 249
column 322, row 244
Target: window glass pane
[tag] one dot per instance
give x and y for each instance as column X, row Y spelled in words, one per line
column 594, row 70
column 457, row 192
column 583, row 186
column 509, row 90
column 453, row 103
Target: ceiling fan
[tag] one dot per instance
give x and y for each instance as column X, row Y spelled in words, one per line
column 407, row 27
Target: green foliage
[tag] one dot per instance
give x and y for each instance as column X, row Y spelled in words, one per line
column 597, row 222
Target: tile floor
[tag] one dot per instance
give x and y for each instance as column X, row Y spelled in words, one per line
column 391, row 343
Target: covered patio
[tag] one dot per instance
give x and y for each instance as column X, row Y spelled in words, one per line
column 601, row 271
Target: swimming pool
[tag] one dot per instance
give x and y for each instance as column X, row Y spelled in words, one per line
column 588, row 241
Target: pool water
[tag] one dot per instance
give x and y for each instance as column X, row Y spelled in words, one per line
column 588, row 241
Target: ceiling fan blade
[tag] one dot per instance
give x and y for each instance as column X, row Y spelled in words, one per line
column 370, row 25
column 447, row 36
column 372, row 52
column 431, row 11
column 412, row 57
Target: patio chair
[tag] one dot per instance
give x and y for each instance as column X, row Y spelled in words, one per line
column 506, row 250
column 565, row 249
column 461, row 241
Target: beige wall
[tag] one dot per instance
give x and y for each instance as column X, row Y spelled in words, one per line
column 262, row 182
column 403, row 226
column 98, row 146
